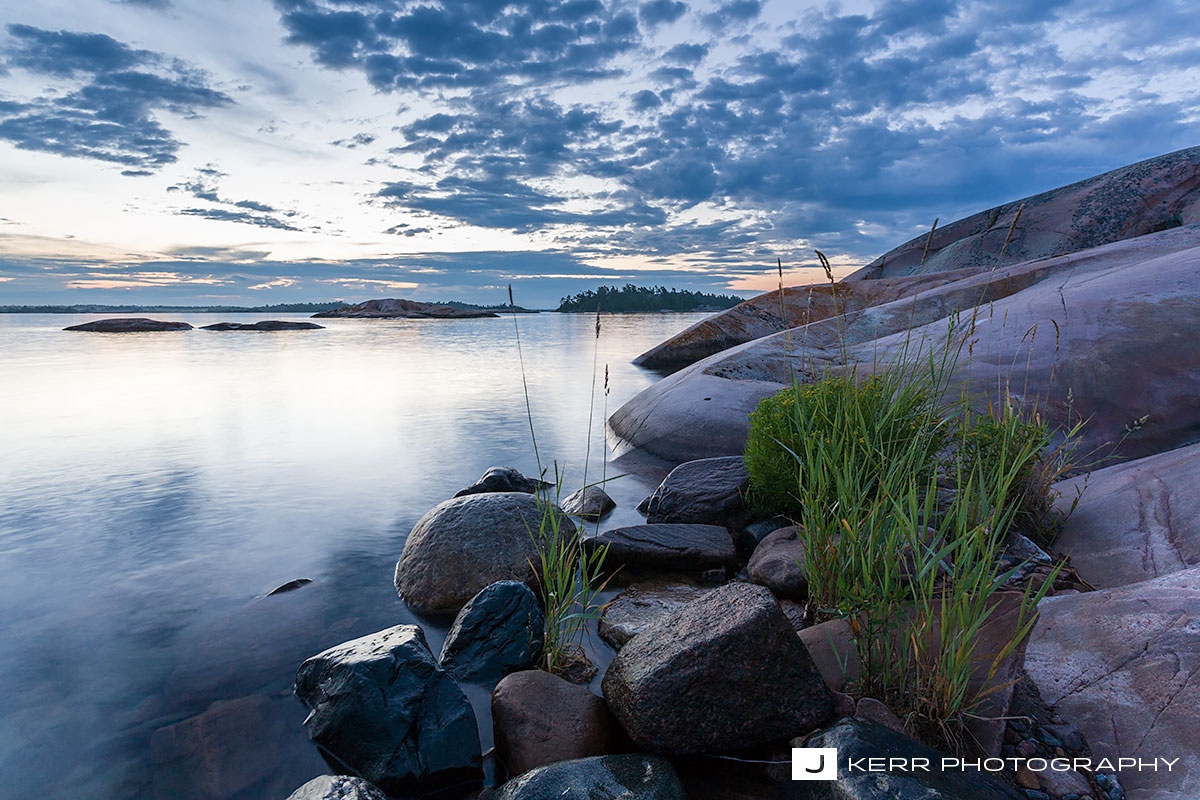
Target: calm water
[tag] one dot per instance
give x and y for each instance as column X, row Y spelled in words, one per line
column 153, row 487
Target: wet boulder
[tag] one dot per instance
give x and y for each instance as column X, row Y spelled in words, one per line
column 707, row 491
column 624, row 777
column 688, row 548
column 499, row 631
column 590, row 502
column 725, row 672
column 337, row 787
column 503, row 479
column 467, row 543
column 381, row 707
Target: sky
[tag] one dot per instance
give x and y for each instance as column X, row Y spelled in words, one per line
column 266, row 151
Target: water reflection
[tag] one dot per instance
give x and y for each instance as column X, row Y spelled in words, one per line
column 153, row 488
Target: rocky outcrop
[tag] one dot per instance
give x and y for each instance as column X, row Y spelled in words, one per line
column 707, row 491
column 624, row 777
column 130, row 325
column 778, row 564
column 590, row 502
column 382, row 707
column 640, row 605
column 687, row 548
column 539, row 719
column 1123, row 665
column 403, row 309
column 503, row 479
column 723, row 673
column 499, row 631
column 264, row 325
column 1065, row 334
column 861, row 739
column 1133, row 521
column 337, row 787
column 466, row 544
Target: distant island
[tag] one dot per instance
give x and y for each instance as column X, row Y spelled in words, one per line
column 293, row 308
column 632, row 298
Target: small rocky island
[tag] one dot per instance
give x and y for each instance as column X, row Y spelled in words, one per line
column 405, row 309
column 1086, row 302
column 129, row 325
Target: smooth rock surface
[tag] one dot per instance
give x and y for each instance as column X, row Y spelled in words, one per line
column 778, row 564
column 264, row 325
column 539, row 719
column 590, row 502
column 641, row 604
column 725, row 672
column 503, row 479
column 858, row 738
column 707, row 491
column 620, row 777
column 1134, row 521
column 467, row 543
column 1123, row 666
column 500, row 630
column 129, row 325
column 381, row 706
column 337, row 787
column 687, row 548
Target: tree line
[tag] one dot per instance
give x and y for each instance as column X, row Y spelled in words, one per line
column 643, row 298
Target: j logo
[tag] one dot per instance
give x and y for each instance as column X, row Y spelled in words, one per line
column 814, row 763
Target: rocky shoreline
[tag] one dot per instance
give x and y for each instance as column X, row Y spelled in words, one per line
column 1089, row 298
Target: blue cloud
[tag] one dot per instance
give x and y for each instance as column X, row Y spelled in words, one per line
column 204, row 186
column 658, row 12
column 112, row 116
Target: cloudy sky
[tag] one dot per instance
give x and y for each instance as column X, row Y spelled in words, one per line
column 259, row 151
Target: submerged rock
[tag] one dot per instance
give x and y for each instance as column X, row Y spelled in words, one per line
column 467, row 543
column 130, row 325
column 624, row 777
column 264, row 325
column 725, row 672
column 381, row 706
column 499, row 631
column 539, row 719
column 590, row 502
column 503, row 479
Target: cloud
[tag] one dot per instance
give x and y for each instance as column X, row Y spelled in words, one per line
column 111, row 117
column 658, row 12
column 356, row 141
column 204, row 186
column 157, row 5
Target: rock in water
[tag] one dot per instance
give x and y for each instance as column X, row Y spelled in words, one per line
column 539, row 719
column 499, row 631
column 264, row 325
column 337, row 787
column 723, row 673
column 130, row 325
column 625, row 777
column 396, row 308
column 590, row 502
column 707, row 491
column 382, row 707
column 466, row 544
column 503, row 479
column 860, row 739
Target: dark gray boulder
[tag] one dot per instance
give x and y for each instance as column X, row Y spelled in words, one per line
column 590, row 502
column 381, row 707
column 467, row 543
column 263, row 325
column 337, row 787
column 539, row 719
column 129, row 325
column 708, row 491
column 684, row 547
column 860, row 739
column 499, row 631
column 624, row 777
column 503, row 479
column 725, row 672
column 778, row 564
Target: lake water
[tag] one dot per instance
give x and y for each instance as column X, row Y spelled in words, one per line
column 154, row 487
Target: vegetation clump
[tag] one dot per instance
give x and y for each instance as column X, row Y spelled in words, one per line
column 905, row 497
column 630, row 298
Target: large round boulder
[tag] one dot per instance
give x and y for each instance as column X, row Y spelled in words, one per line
column 499, row 631
column 468, row 543
column 725, row 672
column 778, row 564
column 708, row 490
column 337, row 787
column 381, row 707
column 625, row 777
